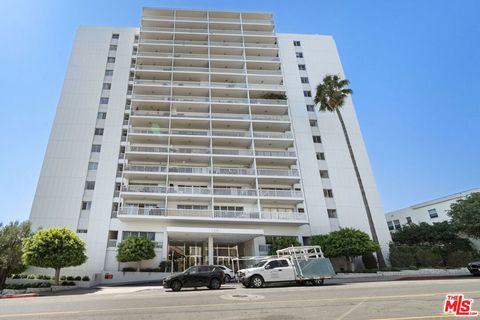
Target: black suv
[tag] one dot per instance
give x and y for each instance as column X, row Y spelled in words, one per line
column 198, row 276
column 474, row 268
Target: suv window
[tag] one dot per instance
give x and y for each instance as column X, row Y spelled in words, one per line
column 273, row 264
column 283, row 263
column 205, row 269
column 193, row 270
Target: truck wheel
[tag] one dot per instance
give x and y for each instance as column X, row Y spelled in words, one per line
column 317, row 282
column 176, row 285
column 256, row 282
column 215, row 284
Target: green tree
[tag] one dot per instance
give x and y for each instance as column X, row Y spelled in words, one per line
column 135, row 249
column 346, row 242
column 55, row 248
column 11, row 237
column 443, row 234
column 280, row 242
column 330, row 96
column 465, row 215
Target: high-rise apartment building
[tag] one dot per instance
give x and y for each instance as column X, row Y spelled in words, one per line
column 198, row 131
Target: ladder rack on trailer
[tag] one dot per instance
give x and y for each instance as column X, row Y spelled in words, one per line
column 308, row 261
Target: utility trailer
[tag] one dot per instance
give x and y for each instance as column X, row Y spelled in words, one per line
column 302, row 265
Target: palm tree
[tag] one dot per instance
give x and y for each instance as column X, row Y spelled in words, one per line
column 330, row 96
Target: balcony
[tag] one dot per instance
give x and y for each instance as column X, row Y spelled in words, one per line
column 207, row 170
column 280, row 193
column 275, row 102
column 219, row 116
column 133, row 213
column 290, row 154
column 206, row 133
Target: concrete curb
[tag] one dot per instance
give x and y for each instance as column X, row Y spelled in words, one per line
column 23, row 295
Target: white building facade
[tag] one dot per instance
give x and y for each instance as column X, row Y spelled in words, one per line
column 198, row 131
column 432, row 211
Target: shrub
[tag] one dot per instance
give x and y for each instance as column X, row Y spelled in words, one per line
column 402, row 256
column 70, row 278
column 428, row 257
column 129, row 269
column 31, row 277
column 16, row 276
column 23, row 276
column 85, row 278
column 458, row 258
column 68, row 283
column 78, row 278
column 63, row 278
column 45, row 285
column 165, row 265
column 274, row 95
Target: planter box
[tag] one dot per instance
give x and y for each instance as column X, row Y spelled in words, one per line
column 11, row 292
column 36, row 290
column 62, row 288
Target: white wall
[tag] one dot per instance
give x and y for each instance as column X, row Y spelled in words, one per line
column 61, row 185
column 321, row 58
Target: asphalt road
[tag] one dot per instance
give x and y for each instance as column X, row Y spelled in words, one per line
column 420, row 299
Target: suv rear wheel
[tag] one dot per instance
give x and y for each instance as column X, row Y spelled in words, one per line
column 317, row 282
column 256, row 282
column 176, row 285
column 215, row 284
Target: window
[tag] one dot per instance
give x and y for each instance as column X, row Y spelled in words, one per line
column 283, row 263
column 191, row 207
column 304, row 79
column 307, row 93
column 107, row 86
column 390, row 225
column 324, row 174
column 103, row 100
column 301, row 210
column 111, row 60
column 96, row 148
column 227, row 208
column 301, row 67
column 299, row 54
column 86, row 205
column 102, row 115
column 409, row 220
column 332, row 213
column 296, row 43
column 147, row 235
column 433, row 213
column 113, row 47
column 109, row 72
column 310, row 107
column 92, row 165
column 320, row 156
column 115, row 36
column 82, row 231
column 317, row 139
column 313, row 123
column 99, row 131
column 273, row 264
column 397, row 225
column 328, row 193
column 90, row 185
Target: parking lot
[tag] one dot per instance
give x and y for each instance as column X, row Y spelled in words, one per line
column 420, row 299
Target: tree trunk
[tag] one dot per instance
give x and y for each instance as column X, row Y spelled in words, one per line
column 380, row 258
column 138, row 266
column 3, row 278
column 57, row 276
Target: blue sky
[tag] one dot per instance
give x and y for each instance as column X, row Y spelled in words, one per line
column 414, row 67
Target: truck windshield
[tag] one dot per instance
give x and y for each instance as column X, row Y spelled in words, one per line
column 259, row 264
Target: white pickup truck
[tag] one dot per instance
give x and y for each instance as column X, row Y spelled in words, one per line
column 294, row 264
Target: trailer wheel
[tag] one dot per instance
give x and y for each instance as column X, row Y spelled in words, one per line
column 317, row 282
column 256, row 282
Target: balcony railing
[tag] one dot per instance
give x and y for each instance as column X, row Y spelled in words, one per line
column 272, row 135
column 261, row 153
column 206, row 84
column 208, row 170
column 208, row 115
column 205, row 19
column 212, row 99
column 240, row 152
column 215, row 214
column 281, row 193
